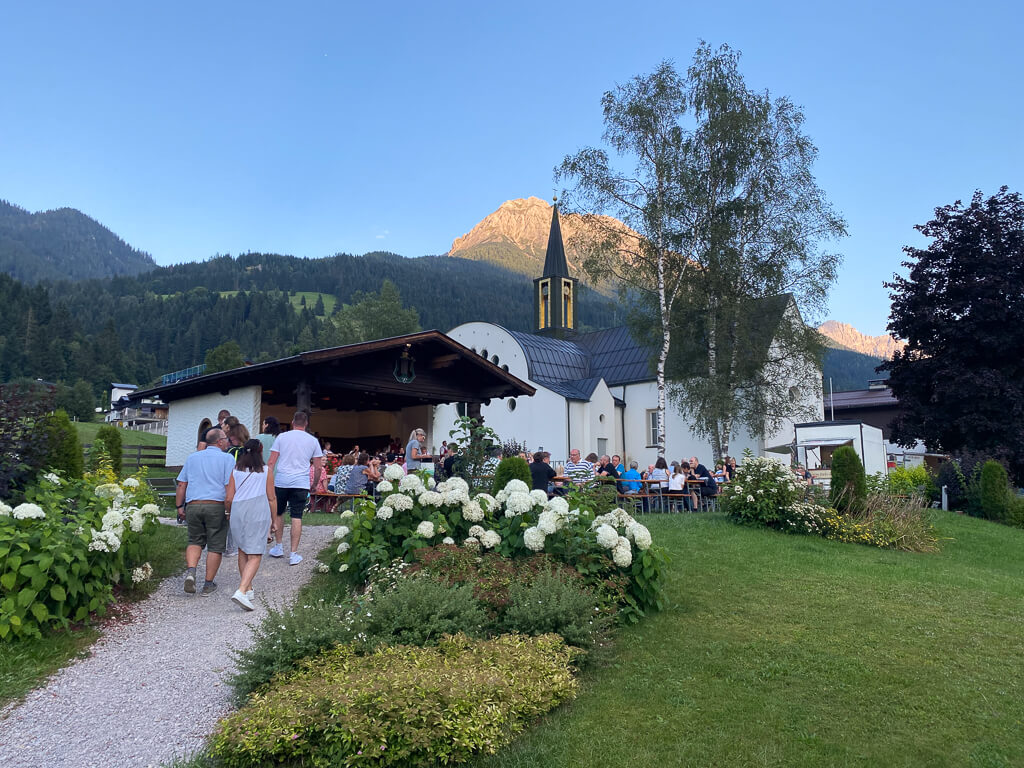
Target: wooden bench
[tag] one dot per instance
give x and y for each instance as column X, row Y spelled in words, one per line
column 165, row 487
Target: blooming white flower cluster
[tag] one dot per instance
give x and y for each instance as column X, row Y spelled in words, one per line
column 411, row 484
column 5, row 511
column 28, row 511
column 533, row 538
column 399, row 502
column 472, row 512
column 490, row 539
column 453, row 484
column 447, row 540
column 130, row 482
column 539, row 496
column 109, row 491
column 472, row 543
column 385, row 512
column 394, row 472
column 344, row 547
column 425, row 529
column 518, row 502
column 113, row 520
column 476, row 531
column 639, row 535
column 341, row 532
column 622, row 555
column 323, row 568
column 607, row 537
column 485, row 500
column 347, row 514
column 143, row 573
column 104, row 541
column 52, row 478
column 384, row 486
column 549, row 522
column 516, row 486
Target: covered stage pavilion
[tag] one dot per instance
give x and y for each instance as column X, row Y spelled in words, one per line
column 361, row 393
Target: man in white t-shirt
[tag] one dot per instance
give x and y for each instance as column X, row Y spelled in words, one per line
column 290, row 456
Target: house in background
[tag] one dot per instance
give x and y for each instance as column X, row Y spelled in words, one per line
column 594, row 391
column 128, row 410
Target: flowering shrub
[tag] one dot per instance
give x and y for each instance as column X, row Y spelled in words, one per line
column 513, row 523
column 63, row 549
column 763, row 488
column 403, row 706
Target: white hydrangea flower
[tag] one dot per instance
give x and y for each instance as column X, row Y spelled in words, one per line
column 501, row 496
column 142, row 573
column 385, row 487
column 54, row 479
column 456, row 484
column 485, row 500
column 104, row 541
column 343, row 567
column 456, row 497
column 472, row 512
column 518, row 502
column 447, row 540
column 344, row 547
column 130, row 482
column 399, row 502
column 150, row 510
column 113, row 520
column 411, row 484
column 394, row 472
column 622, row 554
column 347, row 514
column 384, row 512
column 548, row 522
column 490, row 539
column 323, row 568
column 639, row 535
column 558, row 505
column 622, row 517
column 425, row 529
column 533, row 538
column 431, row 499
column 477, row 531
column 341, row 532
column 750, row 498
column 472, row 543
column 607, row 537
column 137, row 520
column 28, row 511
column 109, row 491
column 539, row 496
column 516, row 485
column 5, row 511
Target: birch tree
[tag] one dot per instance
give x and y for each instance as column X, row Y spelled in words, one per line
column 723, row 195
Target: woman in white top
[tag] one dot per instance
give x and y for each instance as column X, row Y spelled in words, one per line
column 677, row 487
column 250, row 502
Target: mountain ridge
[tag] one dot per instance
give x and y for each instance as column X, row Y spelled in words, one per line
column 846, row 336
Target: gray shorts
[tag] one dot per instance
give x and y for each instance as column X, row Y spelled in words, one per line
column 207, row 525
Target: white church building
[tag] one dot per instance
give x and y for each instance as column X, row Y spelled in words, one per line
column 594, row 391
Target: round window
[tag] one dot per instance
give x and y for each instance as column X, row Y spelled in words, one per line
column 601, row 418
column 511, row 404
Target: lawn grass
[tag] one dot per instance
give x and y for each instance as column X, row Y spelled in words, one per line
column 25, row 664
column 779, row 650
column 87, row 434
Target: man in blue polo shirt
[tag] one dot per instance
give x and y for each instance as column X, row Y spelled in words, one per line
column 202, row 486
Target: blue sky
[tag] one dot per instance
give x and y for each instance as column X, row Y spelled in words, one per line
column 196, row 128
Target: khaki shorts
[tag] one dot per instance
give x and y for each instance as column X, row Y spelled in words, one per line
column 207, row 526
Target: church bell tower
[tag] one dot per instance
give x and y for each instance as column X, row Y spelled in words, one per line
column 554, row 292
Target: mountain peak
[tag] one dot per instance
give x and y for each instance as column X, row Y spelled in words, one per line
column 848, row 337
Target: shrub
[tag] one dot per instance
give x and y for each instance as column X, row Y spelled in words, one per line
column 994, row 491
column 952, row 477
column 62, row 551
column 912, row 481
column 110, row 439
column 401, row 705
column 418, row 610
column 22, row 453
column 511, row 468
column 848, row 488
column 762, row 490
column 554, row 604
column 64, row 451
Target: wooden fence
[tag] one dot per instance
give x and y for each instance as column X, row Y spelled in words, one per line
column 138, row 456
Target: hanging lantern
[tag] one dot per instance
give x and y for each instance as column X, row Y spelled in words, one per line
column 405, row 368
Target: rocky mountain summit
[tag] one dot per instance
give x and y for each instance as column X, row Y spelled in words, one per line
column 848, row 337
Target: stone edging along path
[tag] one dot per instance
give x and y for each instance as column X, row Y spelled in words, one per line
column 153, row 688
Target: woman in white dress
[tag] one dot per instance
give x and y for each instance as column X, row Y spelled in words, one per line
column 250, row 502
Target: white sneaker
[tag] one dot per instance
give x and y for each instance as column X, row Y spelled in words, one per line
column 295, row 559
column 276, row 551
column 242, row 599
column 251, row 594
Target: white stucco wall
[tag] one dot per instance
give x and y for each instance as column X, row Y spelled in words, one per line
column 183, row 417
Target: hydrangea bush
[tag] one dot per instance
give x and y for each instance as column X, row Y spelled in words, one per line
column 63, row 549
column 762, row 491
column 516, row 522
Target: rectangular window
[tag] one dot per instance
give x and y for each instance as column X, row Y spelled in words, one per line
column 602, row 446
column 652, row 428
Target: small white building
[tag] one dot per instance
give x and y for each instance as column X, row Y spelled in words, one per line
column 595, row 391
column 816, row 442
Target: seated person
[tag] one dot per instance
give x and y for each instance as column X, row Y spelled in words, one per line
column 363, row 474
column 541, row 471
column 340, row 479
column 720, row 474
column 631, row 479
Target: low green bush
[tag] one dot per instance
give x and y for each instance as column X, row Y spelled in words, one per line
column 110, row 438
column 553, row 604
column 418, row 610
column 511, row 468
column 994, row 491
column 402, row 705
column 762, row 491
column 848, row 486
column 912, row 481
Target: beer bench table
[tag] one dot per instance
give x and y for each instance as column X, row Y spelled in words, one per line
column 332, row 501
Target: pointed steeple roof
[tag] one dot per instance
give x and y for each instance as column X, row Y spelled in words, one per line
column 555, row 264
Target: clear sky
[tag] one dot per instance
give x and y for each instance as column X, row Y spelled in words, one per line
column 304, row 128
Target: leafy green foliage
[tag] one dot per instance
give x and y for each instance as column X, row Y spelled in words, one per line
column 994, row 491
column 401, row 706
column 475, row 442
column 22, row 452
column 959, row 380
column 912, row 481
column 511, row 468
column 849, row 483
column 552, row 604
column 224, row 357
column 110, row 438
column 761, row 492
column 64, row 452
column 370, row 316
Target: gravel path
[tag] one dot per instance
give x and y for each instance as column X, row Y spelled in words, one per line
column 154, row 687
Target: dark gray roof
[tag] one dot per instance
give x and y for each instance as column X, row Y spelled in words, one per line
column 616, row 357
column 611, row 354
column 553, row 359
column 555, row 264
column 580, row 389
